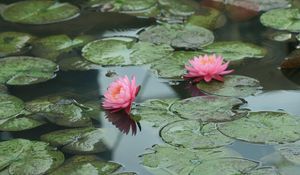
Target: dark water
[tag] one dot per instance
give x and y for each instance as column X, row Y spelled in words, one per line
column 281, row 91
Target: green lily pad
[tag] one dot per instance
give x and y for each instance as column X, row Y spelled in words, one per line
column 206, row 17
column 233, row 85
column 290, row 151
column 21, row 123
column 81, row 140
column 263, row 127
column 64, row 112
column 20, row 156
column 194, row 134
column 10, row 106
column 137, row 5
column 264, row 171
column 12, row 43
column 169, row 160
column 124, row 51
column 75, row 64
column 178, row 36
column 25, row 70
column 173, row 65
column 224, row 166
column 235, row 50
column 51, row 47
column 208, row 108
column 176, row 10
column 86, row 165
column 155, row 111
column 282, row 19
column 39, row 12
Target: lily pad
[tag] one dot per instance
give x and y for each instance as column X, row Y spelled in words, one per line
column 169, row 160
column 124, row 51
column 263, row 127
column 264, row 171
column 235, row 50
column 10, row 106
column 178, row 36
column 224, row 166
column 137, row 5
column 155, row 111
column 20, row 156
column 64, row 112
column 39, row 12
column 21, row 123
column 282, row 19
column 233, row 85
column 86, row 165
column 51, row 47
column 194, row 134
column 208, row 108
column 25, row 70
column 81, row 140
column 12, row 43
column 173, row 65
column 290, row 151
column 206, row 17
column 75, row 64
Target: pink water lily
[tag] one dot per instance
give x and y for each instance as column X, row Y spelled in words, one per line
column 121, row 94
column 207, row 68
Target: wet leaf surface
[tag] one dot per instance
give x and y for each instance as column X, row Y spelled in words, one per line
column 233, row 85
column 25, row 70
column 20, row 156
column 79, row 140
column 39, row 12
column 208, row 108
column 209, row 18
column 21, row 123
column 10, row 106
column 194, row 134
column 75, row 64
column 263, row 127
column 290, row 151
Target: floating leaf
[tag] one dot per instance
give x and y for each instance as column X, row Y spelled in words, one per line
column 178, row 36
column 21, row 123
column 52, row 46
column 20, row 156
column 26, row 70
column 206, row 17
column 39, row 12
column 137, row 5
column 12, row 43
column 10, row 106
column 264, row 171
column 208, row 108
column 290, row 151
column 173, row 65
column 194, row 134
column 64, row 112
column 110, row 52
column 263, row 127
column 81, row 140
column 75, row 63
column 224, row 166
column 155, row 111
column 292, row 61
column 86, row 165
column 282, row 19
column 169, row 160
column 235, row 50
column 233, row 85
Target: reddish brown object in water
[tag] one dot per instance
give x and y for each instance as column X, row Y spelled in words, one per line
column 292, row 61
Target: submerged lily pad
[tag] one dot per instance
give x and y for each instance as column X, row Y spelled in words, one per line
column 81, row 140
column 39, row 12
column 26, row 70
column 194, row 134
column 76, row 64
column 290, row 151
column 233, row 85
column 20, row 156
column 224, row 166
column 178, row 36
column 206, row 17
column 12, row 43
column 21, row 123
column 282, row 19
column 64, row 112
column 235, row 50
column 155, row 111
column 52, row 46
column 208, row 108
column 169, row 160
column 86, row 165
column 10, row 106
column 263, row 127
column 124, row 51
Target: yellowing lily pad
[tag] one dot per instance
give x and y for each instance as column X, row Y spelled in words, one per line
column 26, row 70
column 39, row 12
column 194, row 134
column 263, row 127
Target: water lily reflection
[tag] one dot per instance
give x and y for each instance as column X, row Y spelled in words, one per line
column 124, row 122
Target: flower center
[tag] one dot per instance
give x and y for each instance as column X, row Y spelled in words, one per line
column 116, row 91
column 209, row 60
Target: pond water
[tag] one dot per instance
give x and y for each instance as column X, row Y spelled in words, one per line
column 281, row 90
